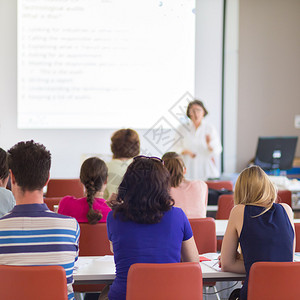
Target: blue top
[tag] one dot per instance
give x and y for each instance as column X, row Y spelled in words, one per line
column 268, row 237
column 145, row 243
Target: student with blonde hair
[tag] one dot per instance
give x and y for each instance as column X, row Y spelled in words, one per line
column 190, row 196
column 263, row 228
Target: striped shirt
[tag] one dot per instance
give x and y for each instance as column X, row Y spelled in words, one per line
column 31, row 234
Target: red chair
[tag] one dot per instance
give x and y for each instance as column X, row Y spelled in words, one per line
column 50, row 202
column 33, row 283
column 64, row 187
column 204, row 231
column 274, row 280
column 174, row 281
column 93, row 241
column 297, row 233
column 220, row 184
column 284, row 196
column 225, row 205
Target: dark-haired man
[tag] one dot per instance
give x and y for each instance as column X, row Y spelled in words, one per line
column 7, row 200
column 31, row 233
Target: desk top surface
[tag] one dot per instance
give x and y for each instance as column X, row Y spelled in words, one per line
column 94, row 269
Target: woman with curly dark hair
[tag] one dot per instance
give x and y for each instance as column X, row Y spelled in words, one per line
column 143, row 226
column 92, row 208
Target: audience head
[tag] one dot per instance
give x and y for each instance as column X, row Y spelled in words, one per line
column 194, row 108
column 30, row 164
column 253, row 187
column 143, row 194
column 93, row 175
column 125, row 143
column 175, row 165
column 4, row 171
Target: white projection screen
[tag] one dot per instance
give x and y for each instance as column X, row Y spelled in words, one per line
column 103, row 63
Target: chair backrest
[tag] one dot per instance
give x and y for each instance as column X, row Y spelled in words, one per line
column 50, row 202
column 64, row 187
column 93, row 240
column 33, row 283
column 225, row 205
column 274, row 280
column 297, row 233
column 284, row 196
column 174, row 281
column 204, row 231
column 220, row 184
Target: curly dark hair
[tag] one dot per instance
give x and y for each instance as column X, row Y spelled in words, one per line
column 125, row 143
column 196, row 102
column 30, row 164
column 93, row 174
column 4, row 171
column 143, row 195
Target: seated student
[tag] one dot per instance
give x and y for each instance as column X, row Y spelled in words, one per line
column 92, row 208
column 144, row 227
column 31, row 233
column 125, row 144
column 190, row 196
column 263, row 228
column 7, row 200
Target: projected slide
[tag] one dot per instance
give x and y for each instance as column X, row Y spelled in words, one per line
column 103, row 63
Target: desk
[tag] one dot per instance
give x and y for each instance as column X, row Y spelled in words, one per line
column 222, row 224
column 101, row 269
column 221, row 227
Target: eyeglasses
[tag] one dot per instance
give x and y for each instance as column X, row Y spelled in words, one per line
column 154, row 158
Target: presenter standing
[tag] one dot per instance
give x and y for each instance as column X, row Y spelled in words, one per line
column 200, row 144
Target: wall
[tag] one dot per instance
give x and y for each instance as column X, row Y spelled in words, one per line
column 269, row 73
column 68, row 147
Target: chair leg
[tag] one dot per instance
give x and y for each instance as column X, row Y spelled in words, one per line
column 216, row 291
column 78, row 296
column 206, row 288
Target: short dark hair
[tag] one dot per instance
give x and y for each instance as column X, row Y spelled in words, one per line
column 4, row 171
column 143, row 195
column 196, row 102
column 30, row 164
column 175, row 165
column 125, row 143
column 93, row 174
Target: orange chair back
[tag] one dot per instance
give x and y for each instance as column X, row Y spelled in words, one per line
column 225, row 205
column 284, row 196
column 93, row 240
column 220, row 184
column 50, row 202
column 274, row 280
column 204, row 231
column 174, row 281
column 33, row 283
column 64, row 187
column 297, row 233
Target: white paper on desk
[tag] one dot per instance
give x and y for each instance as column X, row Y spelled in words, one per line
column 297, row 256
column 213, row 264
column 80, row 263
column 105, row 258
column 211, row 255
